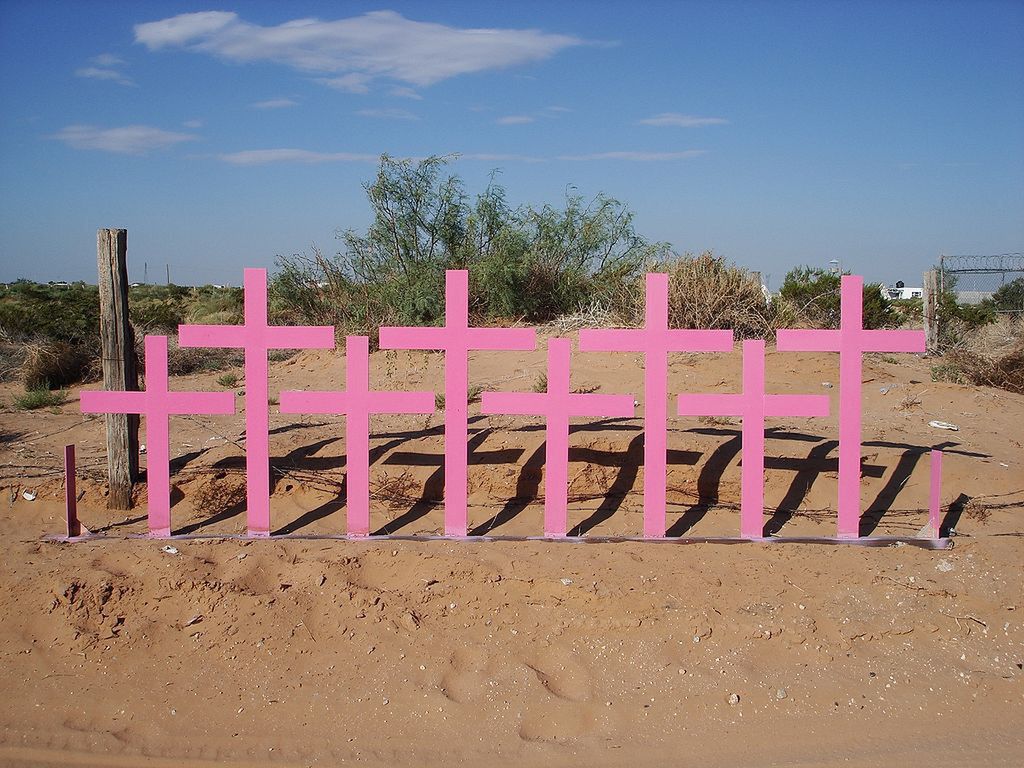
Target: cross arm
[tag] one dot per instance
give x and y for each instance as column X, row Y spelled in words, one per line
column 302, row 401
column 205, row 403
column 401, row 402
column 102, row 401
column 232, row 336
column 894, row 341
column 514, row 403
column 600, row 405
column 687, row 340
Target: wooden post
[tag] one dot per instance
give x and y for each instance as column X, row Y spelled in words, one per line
column 119, row 370
column 930, row 303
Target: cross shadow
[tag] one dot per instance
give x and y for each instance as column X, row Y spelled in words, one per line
column 628, row 463
column 433, row 488
column 886, row 497
column 528, row 483
column 708, row 481
column 817, row 461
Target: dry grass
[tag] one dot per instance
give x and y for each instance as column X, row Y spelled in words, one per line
column 707, row 292
column 53, row 364
column 1004, row 371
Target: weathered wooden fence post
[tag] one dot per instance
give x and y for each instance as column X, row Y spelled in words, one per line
column 119, row 371
column 930, row 300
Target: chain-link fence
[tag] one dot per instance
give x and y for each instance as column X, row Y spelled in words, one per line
column 996, row 281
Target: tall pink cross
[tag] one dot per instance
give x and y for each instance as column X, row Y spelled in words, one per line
column 655, row 341
column 851, row 341
column 456, row 338
column 558, row 404
column 753, row 406
column 156, row 403
column 357, row 402
column 256, row 337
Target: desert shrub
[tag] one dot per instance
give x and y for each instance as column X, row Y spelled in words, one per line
column 707, row 292
column 228, row 380
column 36, row 311
column 1009, row 297
column 40, row 397
column 816, row 299
column 533, row 264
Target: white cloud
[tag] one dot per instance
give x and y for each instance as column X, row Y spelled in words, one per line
column 388, row 114
column 106, row 60
column 489, row 157
column 360, row 48
column 557, row 109
column 128, row 140
column 265, row 156
column 193, row 124
column 106, row 66
column 405, row 93
column 274, row 104
column 353, row 82
column 515, row 120
column 682, row 121
column 643, row 157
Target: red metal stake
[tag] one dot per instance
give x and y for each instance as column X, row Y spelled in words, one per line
column 71, row 493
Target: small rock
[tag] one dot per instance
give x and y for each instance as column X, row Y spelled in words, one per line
column 169, row 549
column 242, row 556
column 944, row 566
column 827, row 384
column 780, row 694
column 734, row 699
column 386, row 702
column 566, row 582
column 28, row 496
column 142, row 448
column 696, row 638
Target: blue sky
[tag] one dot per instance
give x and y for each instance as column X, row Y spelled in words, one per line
column 776, row 134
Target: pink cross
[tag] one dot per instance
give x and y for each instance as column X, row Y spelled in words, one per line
column 851, row 341
column 456, row 338
column 357, row 403
column 156, row 404
column 558, row 404
column 753, row 406
column 655, row 341
column 256, row 338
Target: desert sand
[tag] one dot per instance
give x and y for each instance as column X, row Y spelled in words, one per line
column 302, row 651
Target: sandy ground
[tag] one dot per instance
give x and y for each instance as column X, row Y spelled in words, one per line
column 328, row 652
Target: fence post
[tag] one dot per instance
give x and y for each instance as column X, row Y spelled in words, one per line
column 930, row 303
column 117, row 343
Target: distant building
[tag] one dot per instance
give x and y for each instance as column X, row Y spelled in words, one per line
column 900, row 291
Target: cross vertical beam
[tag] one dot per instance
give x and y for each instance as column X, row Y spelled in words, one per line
column 357, row 403
column 156, row 403
column 851, row 341
column 557, row 405
column 455, row 338
column 256, row 338
column 655, row 340
column 753, row 406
